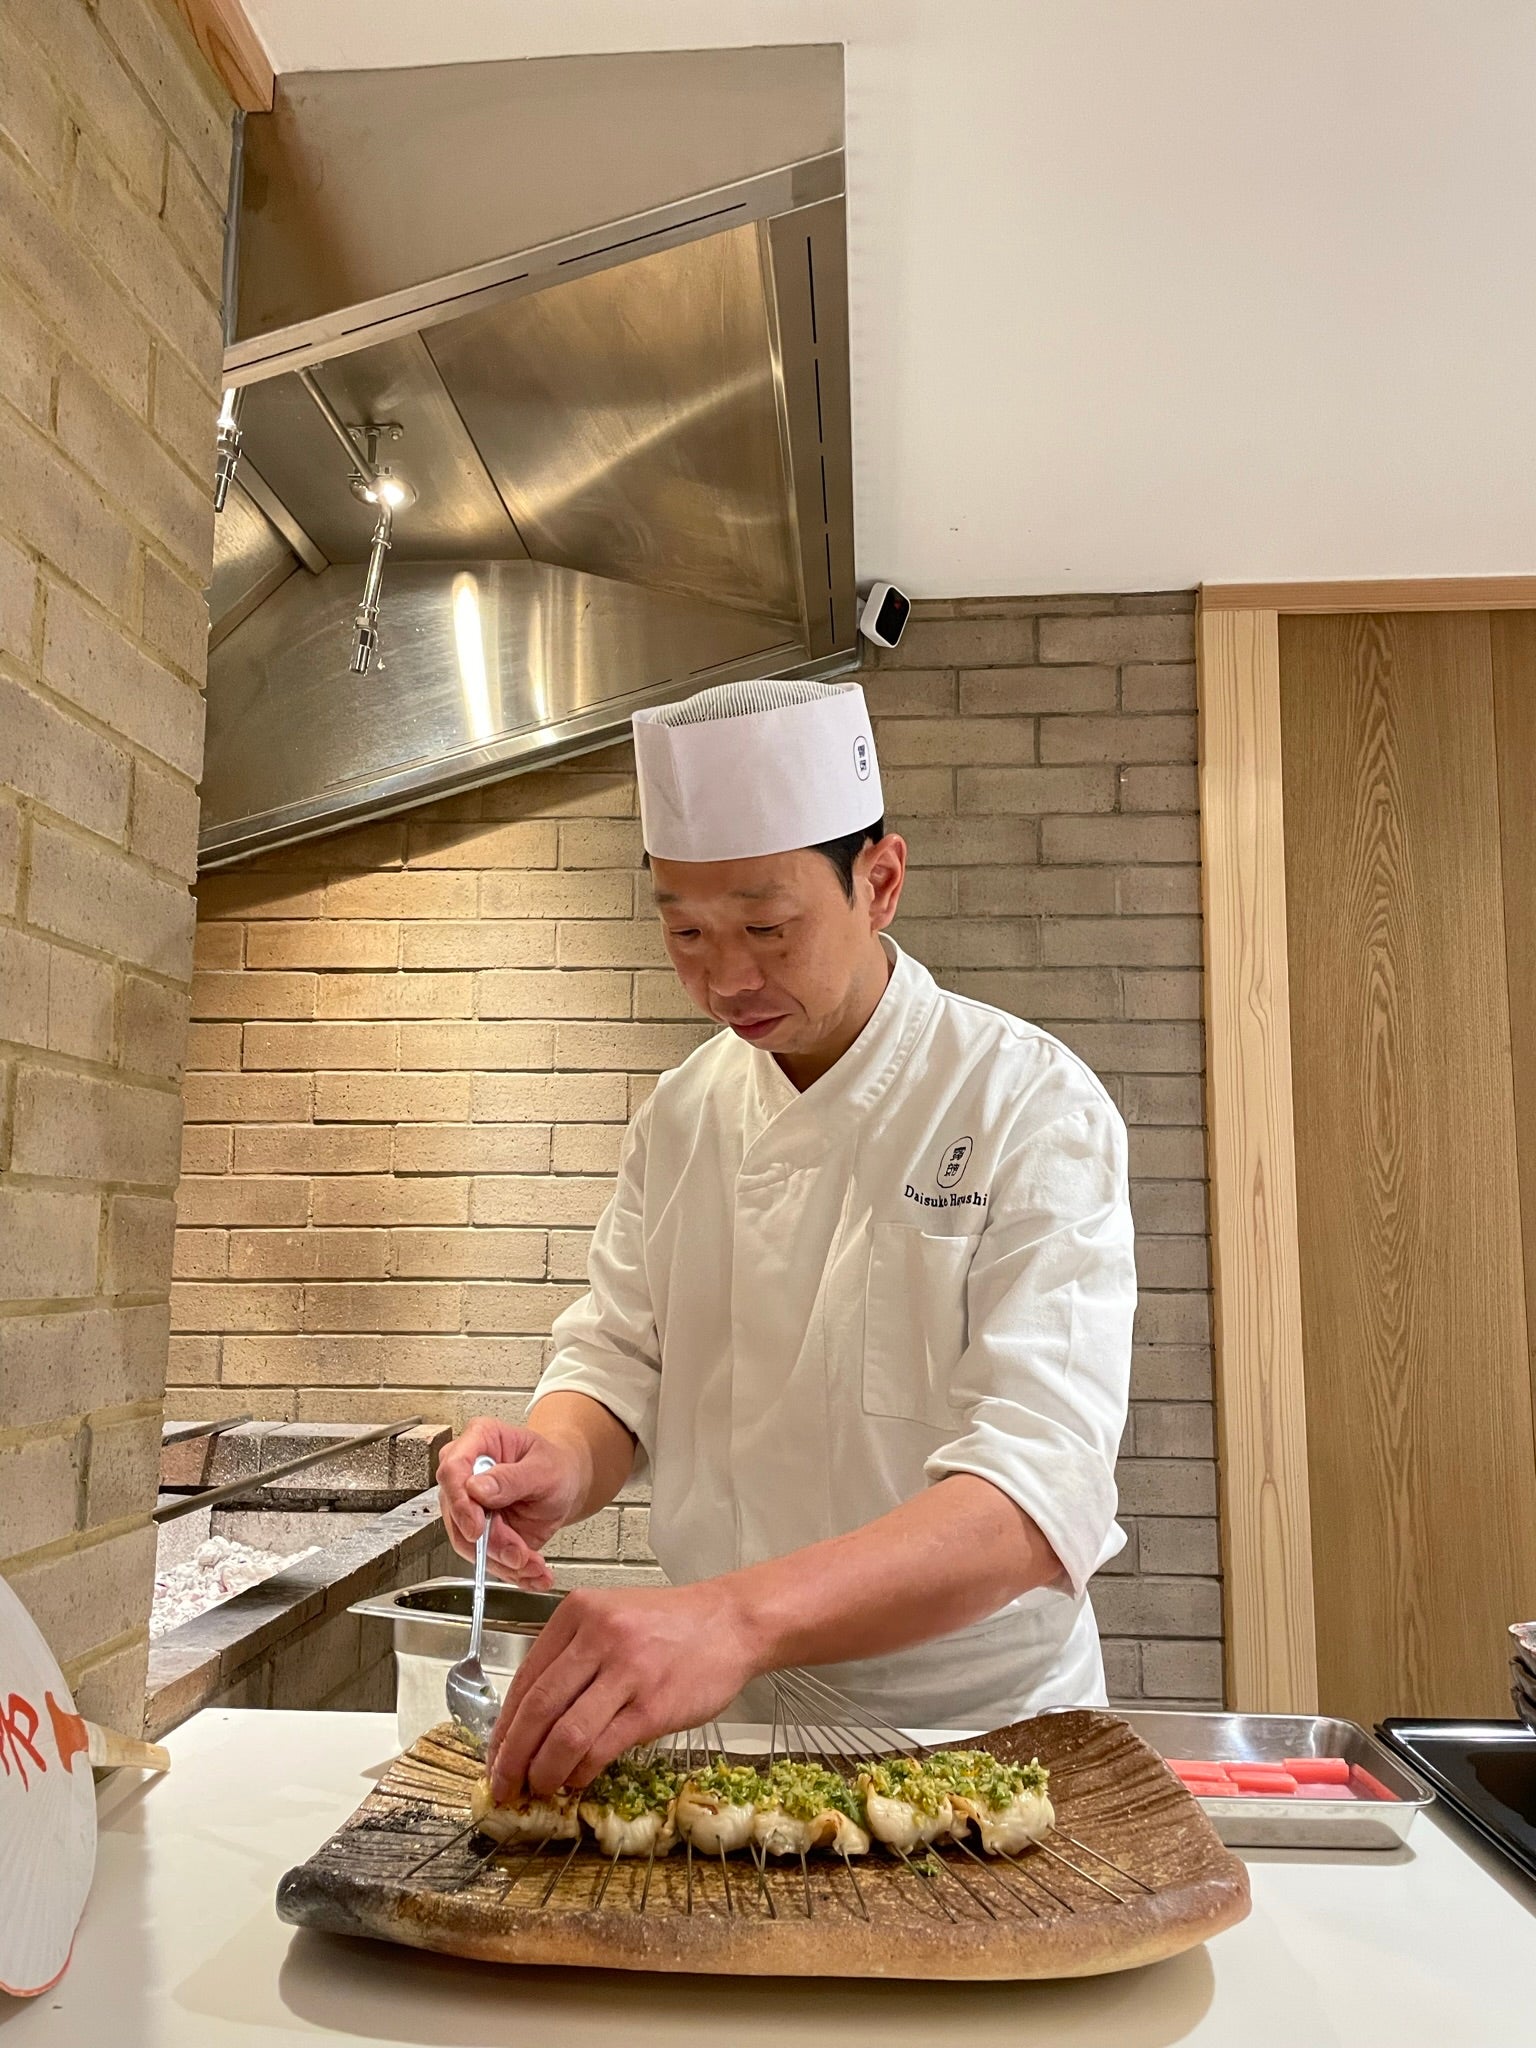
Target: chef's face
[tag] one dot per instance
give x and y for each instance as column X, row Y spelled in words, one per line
column 773, row 947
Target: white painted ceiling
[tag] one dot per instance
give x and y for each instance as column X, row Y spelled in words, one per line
column 1145, row 292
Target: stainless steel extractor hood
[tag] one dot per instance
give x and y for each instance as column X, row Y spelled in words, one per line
column 587, row 318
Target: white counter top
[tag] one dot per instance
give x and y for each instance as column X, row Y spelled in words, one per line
column 181, row 1948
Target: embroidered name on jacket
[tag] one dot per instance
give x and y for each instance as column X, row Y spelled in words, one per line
column 970, row 1201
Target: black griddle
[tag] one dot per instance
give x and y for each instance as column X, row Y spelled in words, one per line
column 1484, row 1770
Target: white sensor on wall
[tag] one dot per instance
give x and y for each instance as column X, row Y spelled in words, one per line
column 885, row 614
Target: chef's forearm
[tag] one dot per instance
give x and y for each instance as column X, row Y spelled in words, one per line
column 603, row 1448
column 956, row 1553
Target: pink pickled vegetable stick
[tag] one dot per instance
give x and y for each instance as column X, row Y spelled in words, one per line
column 1318, row 1770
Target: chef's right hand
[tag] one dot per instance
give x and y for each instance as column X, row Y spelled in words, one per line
column 534, row 1488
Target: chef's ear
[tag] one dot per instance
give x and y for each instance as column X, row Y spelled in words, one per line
column 883, row 865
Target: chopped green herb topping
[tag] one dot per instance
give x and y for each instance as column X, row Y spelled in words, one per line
column 909, row 1779
column 976, row 1774
column 803, row 1790
column 629, row 1788
column 731, row 1784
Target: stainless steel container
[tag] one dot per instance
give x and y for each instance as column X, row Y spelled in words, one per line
column 1291, row 1823
column 431, row 1625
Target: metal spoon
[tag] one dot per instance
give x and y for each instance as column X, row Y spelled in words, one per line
column 471, row 1701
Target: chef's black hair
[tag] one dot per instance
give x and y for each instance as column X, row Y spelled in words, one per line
column 845, row 851
column 841, row 852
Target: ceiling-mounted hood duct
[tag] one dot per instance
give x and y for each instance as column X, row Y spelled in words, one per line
column 589, row 315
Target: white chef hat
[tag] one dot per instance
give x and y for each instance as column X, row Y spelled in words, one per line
column 756, row 767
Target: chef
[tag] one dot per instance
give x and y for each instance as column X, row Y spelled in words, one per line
column 860, row 1308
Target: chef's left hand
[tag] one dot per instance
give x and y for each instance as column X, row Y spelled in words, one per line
column 610, row 1669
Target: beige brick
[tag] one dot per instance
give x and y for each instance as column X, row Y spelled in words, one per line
column 79, row 1599
column 47, row 1245
column 321, row 942
column 638, row 1048
column 1028, row 891
column 989, row 791
column 130, row 244
column 636, row 943
column 392, row 1098
column 917, row 793
column 47, row 261
column 39, row 1484
column 598, row 844
column 304, row 1047
column 383, row 1306
column 309, row 1254
column 400, row 895
column 971, row 942
column 1173, row 1319
column 517, row 992
column 46, row 754
column 386, row 1200
column 549, row 1098
column 1134, row 639
column 364, row 850
column 102, row 93
column 515, row 1311
column 1163, row 994
column 123, row 1470
column 1053, row 992
column 1158, row 1607
column 556, row 895
column 63, row 1364
column 110, row 1689
column 1159, row 789
column 175, row 621
column 918, row 742
column 1137, row 1048
column 586, row 1148
column 483, row 1048
column 1174, row 1152
column 660, row 997
column 641, row 1088
column 1166, row 1486
column 1158, row 686
column 1116, row 941
column 1120, row 840
column 971, row 842
column 540, row 1203
column 98, row 898
column 163, row 820
column 1182, row 1671
column 478, row 944
column 312, row 1148
column 248, row 893
column 246, row 1098
column 1175, row 1429
column 1158, row 892
column 325, row 1362
column 568, row 1254
column 961, row 643
column 18, row 582
column 477, row 845
column 207, row 1148
column 396, row 995
column 121, row 455
column 252, row 995
column 468, row 1254
column 23, row 988
column 471, row 1148
column 227, row 1200
column 10, row 856
column 201, row 1255
column 27, row 352
column 1117, row 739
column 31, row 112
column 218, row 1307
column 1022, row 692
column 88, row 661
column 154, row 1028
column 140, row 1229
column 182, row 410
column 1180, row 1545
column 194, row 1362
column 562, row 793
column 928, row 892
column 1163, row 1099
column 1169, row 1205
column 909, row 693
column 195, row 110
column 71, row 1127
column 597, row 1536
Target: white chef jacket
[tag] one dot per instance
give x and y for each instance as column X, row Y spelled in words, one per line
column 809, row 1306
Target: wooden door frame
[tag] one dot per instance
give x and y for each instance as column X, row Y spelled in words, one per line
column 1266, row 1532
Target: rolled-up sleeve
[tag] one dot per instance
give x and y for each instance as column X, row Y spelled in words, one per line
column 1044, row 1380
column 606, row 1344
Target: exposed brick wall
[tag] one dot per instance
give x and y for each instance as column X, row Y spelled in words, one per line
column 114, row 148
column 418, row 1043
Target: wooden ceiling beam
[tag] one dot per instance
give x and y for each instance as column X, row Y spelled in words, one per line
column 222, row 31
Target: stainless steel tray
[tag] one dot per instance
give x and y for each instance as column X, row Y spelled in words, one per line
column 431, row 1631
column 1291, row 1823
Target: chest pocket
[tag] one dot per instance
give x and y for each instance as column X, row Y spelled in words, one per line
column 914, row 1322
